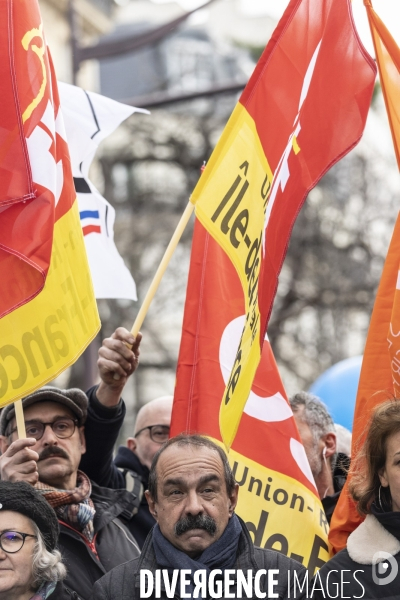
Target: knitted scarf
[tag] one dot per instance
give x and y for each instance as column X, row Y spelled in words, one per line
column 45, row 591
column 220, row 555
column 75, row 506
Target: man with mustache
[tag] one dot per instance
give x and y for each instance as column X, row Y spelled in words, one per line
column 93, row 536
column 192, row 495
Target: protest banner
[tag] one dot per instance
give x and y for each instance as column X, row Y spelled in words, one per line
column 48, row 312
column 258, row 166
column 89, row 118
column 380, row 371
column 277, row 498
column 303, row 109
column 273, row 150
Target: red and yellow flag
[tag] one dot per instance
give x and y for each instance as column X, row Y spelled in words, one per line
column 48, row 313
column 277, row 499
column 304, row 108
column 380, row 371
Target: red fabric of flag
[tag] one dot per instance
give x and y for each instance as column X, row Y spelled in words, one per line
column 304, row 107
column 27, row 191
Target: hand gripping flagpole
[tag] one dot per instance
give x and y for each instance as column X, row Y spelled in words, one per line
column 19, row 414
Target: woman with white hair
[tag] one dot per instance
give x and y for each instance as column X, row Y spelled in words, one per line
column 30, row 566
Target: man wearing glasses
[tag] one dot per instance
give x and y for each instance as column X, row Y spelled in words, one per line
column 151, row 431
column 93, row 536
column 132, row 463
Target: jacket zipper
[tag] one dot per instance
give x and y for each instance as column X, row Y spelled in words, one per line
column 91, row 545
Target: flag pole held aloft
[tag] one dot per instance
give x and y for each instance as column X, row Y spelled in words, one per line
column 162, row 268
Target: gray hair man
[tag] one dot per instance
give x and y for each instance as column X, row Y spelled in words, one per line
column 192, row 495
column 318, row 434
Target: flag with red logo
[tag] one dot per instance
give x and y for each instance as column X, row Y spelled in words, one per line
column 48, row 313
column 303, row 109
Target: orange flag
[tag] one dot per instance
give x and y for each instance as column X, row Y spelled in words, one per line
column 388, row 59
column 380, row 372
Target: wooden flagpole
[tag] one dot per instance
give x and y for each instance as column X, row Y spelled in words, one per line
column 162, row 268
column 19, row 415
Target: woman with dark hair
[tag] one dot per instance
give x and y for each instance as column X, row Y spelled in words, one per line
column 369, row 565
column 31, row 567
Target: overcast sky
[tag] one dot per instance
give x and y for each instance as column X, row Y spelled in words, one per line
column 388, row 10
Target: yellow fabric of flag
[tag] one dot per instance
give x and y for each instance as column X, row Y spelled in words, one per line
column 236, row 223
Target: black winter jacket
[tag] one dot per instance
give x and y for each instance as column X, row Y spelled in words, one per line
column 141, row 524
column 102, row 427
column 112, row 546
column 62, row 592
column 101, row 432
column 339, row 474
column 113, row 543
column 351, row 572
column 123, row 582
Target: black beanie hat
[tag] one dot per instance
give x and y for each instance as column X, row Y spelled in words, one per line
column 20, row 497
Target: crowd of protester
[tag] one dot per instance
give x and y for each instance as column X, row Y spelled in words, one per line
column 77, row 523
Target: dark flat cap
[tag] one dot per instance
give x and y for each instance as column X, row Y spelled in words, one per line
column 74, row 399
column 20, row 497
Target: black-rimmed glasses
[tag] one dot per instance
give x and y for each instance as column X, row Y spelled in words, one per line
column 158, row 433
column 63, row 428
column 12, row 541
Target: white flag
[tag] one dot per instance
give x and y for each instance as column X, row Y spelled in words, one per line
column 89, row 118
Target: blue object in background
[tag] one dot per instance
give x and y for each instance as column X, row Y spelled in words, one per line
column 337, row 387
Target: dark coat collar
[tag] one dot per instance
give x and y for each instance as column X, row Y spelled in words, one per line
column 126, row 459
column 245, row 556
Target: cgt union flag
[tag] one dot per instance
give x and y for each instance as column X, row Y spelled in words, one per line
column 303, row 109
column 48, row 313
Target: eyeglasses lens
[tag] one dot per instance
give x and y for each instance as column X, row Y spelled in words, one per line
column 11, row 541
column 63, row 428
column 159, row 433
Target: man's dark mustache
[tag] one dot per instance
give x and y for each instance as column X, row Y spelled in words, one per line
column 196, row 522
column 52, row 451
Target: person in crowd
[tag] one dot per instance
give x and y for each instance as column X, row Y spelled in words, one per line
column 93, row 536
column 371, row 559
column 134, row 460
column 343, row 440
column 31, row 567
column 317, row 432
column 192, row 495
